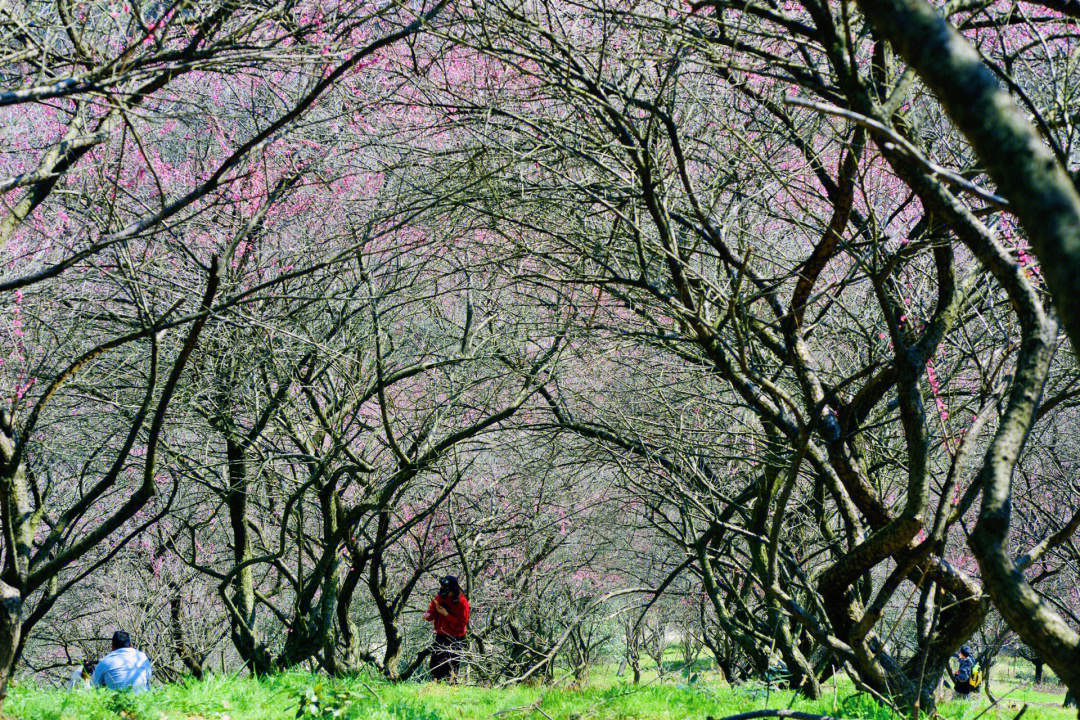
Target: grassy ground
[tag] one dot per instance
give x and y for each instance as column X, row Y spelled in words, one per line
column 605, row 698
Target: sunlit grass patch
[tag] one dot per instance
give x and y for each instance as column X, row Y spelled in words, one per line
column 279, row 697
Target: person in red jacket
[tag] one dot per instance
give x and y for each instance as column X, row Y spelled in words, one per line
column 449, row 611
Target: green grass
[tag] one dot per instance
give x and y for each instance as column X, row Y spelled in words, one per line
column 1016, row 671
column 605, row 698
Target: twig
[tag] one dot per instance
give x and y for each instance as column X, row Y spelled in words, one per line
column 900, row 143
column 533, row 706
column 596, row 706
column 793, row 714
column 372, row 691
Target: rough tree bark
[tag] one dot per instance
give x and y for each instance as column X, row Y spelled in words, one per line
column 1045, row 200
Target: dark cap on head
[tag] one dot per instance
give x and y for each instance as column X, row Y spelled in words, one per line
column 966, row 649
column 121, row 639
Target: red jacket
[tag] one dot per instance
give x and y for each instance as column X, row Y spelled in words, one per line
column 456, row 623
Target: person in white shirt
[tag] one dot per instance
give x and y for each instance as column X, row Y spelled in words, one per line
column 125, row 668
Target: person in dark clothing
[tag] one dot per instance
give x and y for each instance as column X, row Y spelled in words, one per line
column 962, row 678
column 449, row 612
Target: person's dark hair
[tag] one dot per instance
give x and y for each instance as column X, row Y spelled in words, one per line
column 966, row 650
column 448, row 585
column 121, row 639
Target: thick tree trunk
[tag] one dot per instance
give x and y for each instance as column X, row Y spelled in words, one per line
column 351, row 656
column 180, row 645
column 317, row 598
column 388, row 612
column 392, row 654
column 244, row 623
column 312, row 627
column 800, row 673
column 11, row 606
column 17, row 521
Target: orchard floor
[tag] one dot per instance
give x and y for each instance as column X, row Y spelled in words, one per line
column 606, row 698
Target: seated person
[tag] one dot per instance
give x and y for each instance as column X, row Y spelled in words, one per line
column 125, row 668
